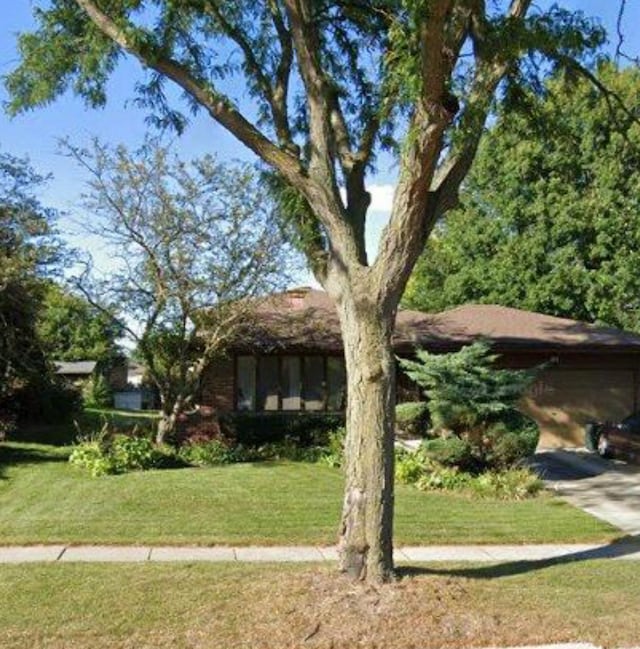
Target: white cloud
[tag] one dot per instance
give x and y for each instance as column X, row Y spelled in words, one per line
column 379, row 212
column 381, row 198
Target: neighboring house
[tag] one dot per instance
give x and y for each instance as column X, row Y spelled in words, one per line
column 125, row 378
column 133, row 394
column 292, row 361
column 78, row 372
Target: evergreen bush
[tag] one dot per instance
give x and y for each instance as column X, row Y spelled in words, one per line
column 451, row 451
column 473, row 406
column 412, row 418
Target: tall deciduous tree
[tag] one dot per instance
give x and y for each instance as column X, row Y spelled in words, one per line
column 550, row 214
column 332, row 83
column 195, row 246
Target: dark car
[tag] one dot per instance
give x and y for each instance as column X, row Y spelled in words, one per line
column 620, row 440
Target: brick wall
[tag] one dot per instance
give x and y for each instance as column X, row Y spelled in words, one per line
column 217, row 385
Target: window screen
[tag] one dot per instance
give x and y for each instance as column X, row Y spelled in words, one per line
column 246, row 383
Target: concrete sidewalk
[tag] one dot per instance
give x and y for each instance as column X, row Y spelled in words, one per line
column 297, row 554
column 568, row 645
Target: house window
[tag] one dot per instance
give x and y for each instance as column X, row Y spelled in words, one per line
column 336, row 384
column 290, row 383
column 314, row 383
column 246, row 383
column 268, row 383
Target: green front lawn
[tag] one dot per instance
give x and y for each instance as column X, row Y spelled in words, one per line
column 45, row 500
column 198, row 606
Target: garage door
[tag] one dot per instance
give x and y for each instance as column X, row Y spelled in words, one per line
column 563, row 401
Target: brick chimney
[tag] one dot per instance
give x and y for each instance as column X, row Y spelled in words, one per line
column 296, row 296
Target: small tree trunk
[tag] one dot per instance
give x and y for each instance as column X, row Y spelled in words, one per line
column 169, row 413
column 366, row 530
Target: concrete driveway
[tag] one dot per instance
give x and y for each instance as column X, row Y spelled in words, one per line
column 607, row 489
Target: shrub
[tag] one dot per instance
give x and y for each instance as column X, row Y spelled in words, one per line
column 450, row 451
column 255, row 429
column 510, row 484
column 473, row 404
column 413, row 418
column 96, row 392
column 46, row 401
column 465, row 389
column 8, row 423
column 421, row 469
column 104, row 453
column 131, row 453
column 438, row 477
column 409, row 467
column 508, row 443
column 334, row 450
column 215, row 452
column 289, row 449
column 206, row 453
column 90, row 456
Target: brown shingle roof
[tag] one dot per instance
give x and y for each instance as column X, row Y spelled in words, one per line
column 74, row 367
column 514, row 328
column 306, row 319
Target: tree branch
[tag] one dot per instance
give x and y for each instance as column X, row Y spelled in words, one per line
column 324, row 118
column 402, row 239
column 218, row 106
column 283, row 71
column 276, row 95
column 319, row 102
column 436, row 190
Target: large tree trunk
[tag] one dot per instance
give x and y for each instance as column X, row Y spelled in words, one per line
column 366, row 530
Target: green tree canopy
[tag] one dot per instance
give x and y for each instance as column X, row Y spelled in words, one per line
column 71, row 329
column 28, row 253
column 550, row 214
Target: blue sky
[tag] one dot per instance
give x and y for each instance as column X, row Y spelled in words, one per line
column 35, row 134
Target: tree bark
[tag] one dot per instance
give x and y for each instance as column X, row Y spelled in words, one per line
column 366, row 530
column 169, row 413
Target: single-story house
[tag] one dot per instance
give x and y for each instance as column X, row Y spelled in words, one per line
column 293, row 361
column 124, row 377
column 131, row 393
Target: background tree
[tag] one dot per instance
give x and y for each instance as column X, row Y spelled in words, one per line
column 332, row 83
column 550, row 214
column 28, row 253
column 71, row 329
column 196, row 245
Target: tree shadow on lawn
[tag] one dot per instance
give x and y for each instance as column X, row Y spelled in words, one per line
column 61, row 434
column 621, row 547
column 12, row 455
